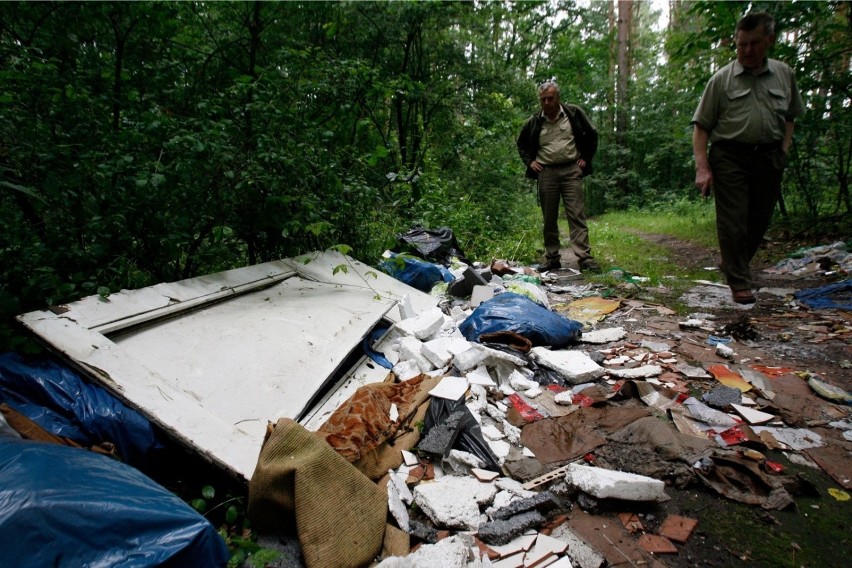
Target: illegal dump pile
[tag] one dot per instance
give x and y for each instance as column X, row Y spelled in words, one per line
column 504, row 426
column 508, row 418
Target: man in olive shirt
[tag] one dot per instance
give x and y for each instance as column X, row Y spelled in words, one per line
column 747, row 113
column 557, row 145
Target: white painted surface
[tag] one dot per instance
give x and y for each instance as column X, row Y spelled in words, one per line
column 212, row 359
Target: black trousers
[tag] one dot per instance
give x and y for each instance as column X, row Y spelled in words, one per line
column 746, row 187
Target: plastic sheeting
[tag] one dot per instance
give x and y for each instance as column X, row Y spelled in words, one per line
column 519, row 314
column 439, row 245
column 415, row 272
column 833, row 296
column 63, row 506
column 59, row 401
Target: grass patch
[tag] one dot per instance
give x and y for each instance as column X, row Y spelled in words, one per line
column 693, row 221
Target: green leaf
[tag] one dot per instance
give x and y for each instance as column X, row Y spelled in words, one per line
column 208, row 492
column 199, row 505
column 103, row 292
column 340, row 268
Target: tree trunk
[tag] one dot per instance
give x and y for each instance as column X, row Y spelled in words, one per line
column 622, row 109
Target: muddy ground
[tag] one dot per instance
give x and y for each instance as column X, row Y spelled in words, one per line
column 776, row 332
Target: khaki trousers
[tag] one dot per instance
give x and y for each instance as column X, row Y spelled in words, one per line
column 563, row 184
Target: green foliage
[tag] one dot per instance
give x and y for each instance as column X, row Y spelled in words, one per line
column 144, row 142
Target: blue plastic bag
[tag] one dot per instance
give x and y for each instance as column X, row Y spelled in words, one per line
column 63, row 506
column 836, row 296
column 519, row 314
column 415, row 272
column 58, row 400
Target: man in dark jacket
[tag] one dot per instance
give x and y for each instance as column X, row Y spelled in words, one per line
column 557, row 145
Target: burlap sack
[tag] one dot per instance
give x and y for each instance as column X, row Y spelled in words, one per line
column 340, row 514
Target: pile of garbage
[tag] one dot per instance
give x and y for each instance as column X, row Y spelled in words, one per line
column 513, row 413
column 501, row 418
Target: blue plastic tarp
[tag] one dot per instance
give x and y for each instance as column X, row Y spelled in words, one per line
column 69, row 507
column 521, row 315
column 58, row 400
column 415, row 272
column 833, row 296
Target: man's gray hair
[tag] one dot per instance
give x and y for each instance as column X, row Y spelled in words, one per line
column 752, row 21
column 548, row 84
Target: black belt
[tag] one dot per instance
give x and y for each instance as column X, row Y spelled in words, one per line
column 745, row 148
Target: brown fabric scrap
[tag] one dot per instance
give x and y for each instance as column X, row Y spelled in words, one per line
column 509, row 338
column 743, row 481
column 363, row 422
column 388, row 455
column 340, row 515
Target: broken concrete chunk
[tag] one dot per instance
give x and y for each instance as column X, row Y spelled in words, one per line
column 533, row 392
column 542, row 502
column 492, row 432
column 637, row 372
column 423, row 326
column 601, row 336
column 406, row 369
column 480, row 376
column 574, row 366
column 605, row 483
column 422, row 531
column 450, row 388
column 406, row 309
column 565, row 398
column 501, row 532
column 440, row 351
column 452, row 552
column 453, row 502
column 463, row 461
column 441, row 437
column 470, row 357
column 580, row 552
column 481, row 294
column 396, row 506
column 519, row 382
column 655, row 346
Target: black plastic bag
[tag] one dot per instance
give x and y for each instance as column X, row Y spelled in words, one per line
column 438, row 245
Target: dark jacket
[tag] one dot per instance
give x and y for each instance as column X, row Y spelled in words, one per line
column 585, row 137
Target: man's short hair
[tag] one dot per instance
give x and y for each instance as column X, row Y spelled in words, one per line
column 547, row 84
column 752, row 21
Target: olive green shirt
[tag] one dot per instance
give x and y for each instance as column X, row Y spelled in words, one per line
column 749, row 107
column 556, row 141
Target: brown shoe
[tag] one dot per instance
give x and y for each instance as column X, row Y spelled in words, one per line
column 743, row 296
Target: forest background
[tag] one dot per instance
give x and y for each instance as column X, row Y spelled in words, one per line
column 143, row 142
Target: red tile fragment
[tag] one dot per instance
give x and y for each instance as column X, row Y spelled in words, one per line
column 656, row 544
column 678, row 528
column 631, row 522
